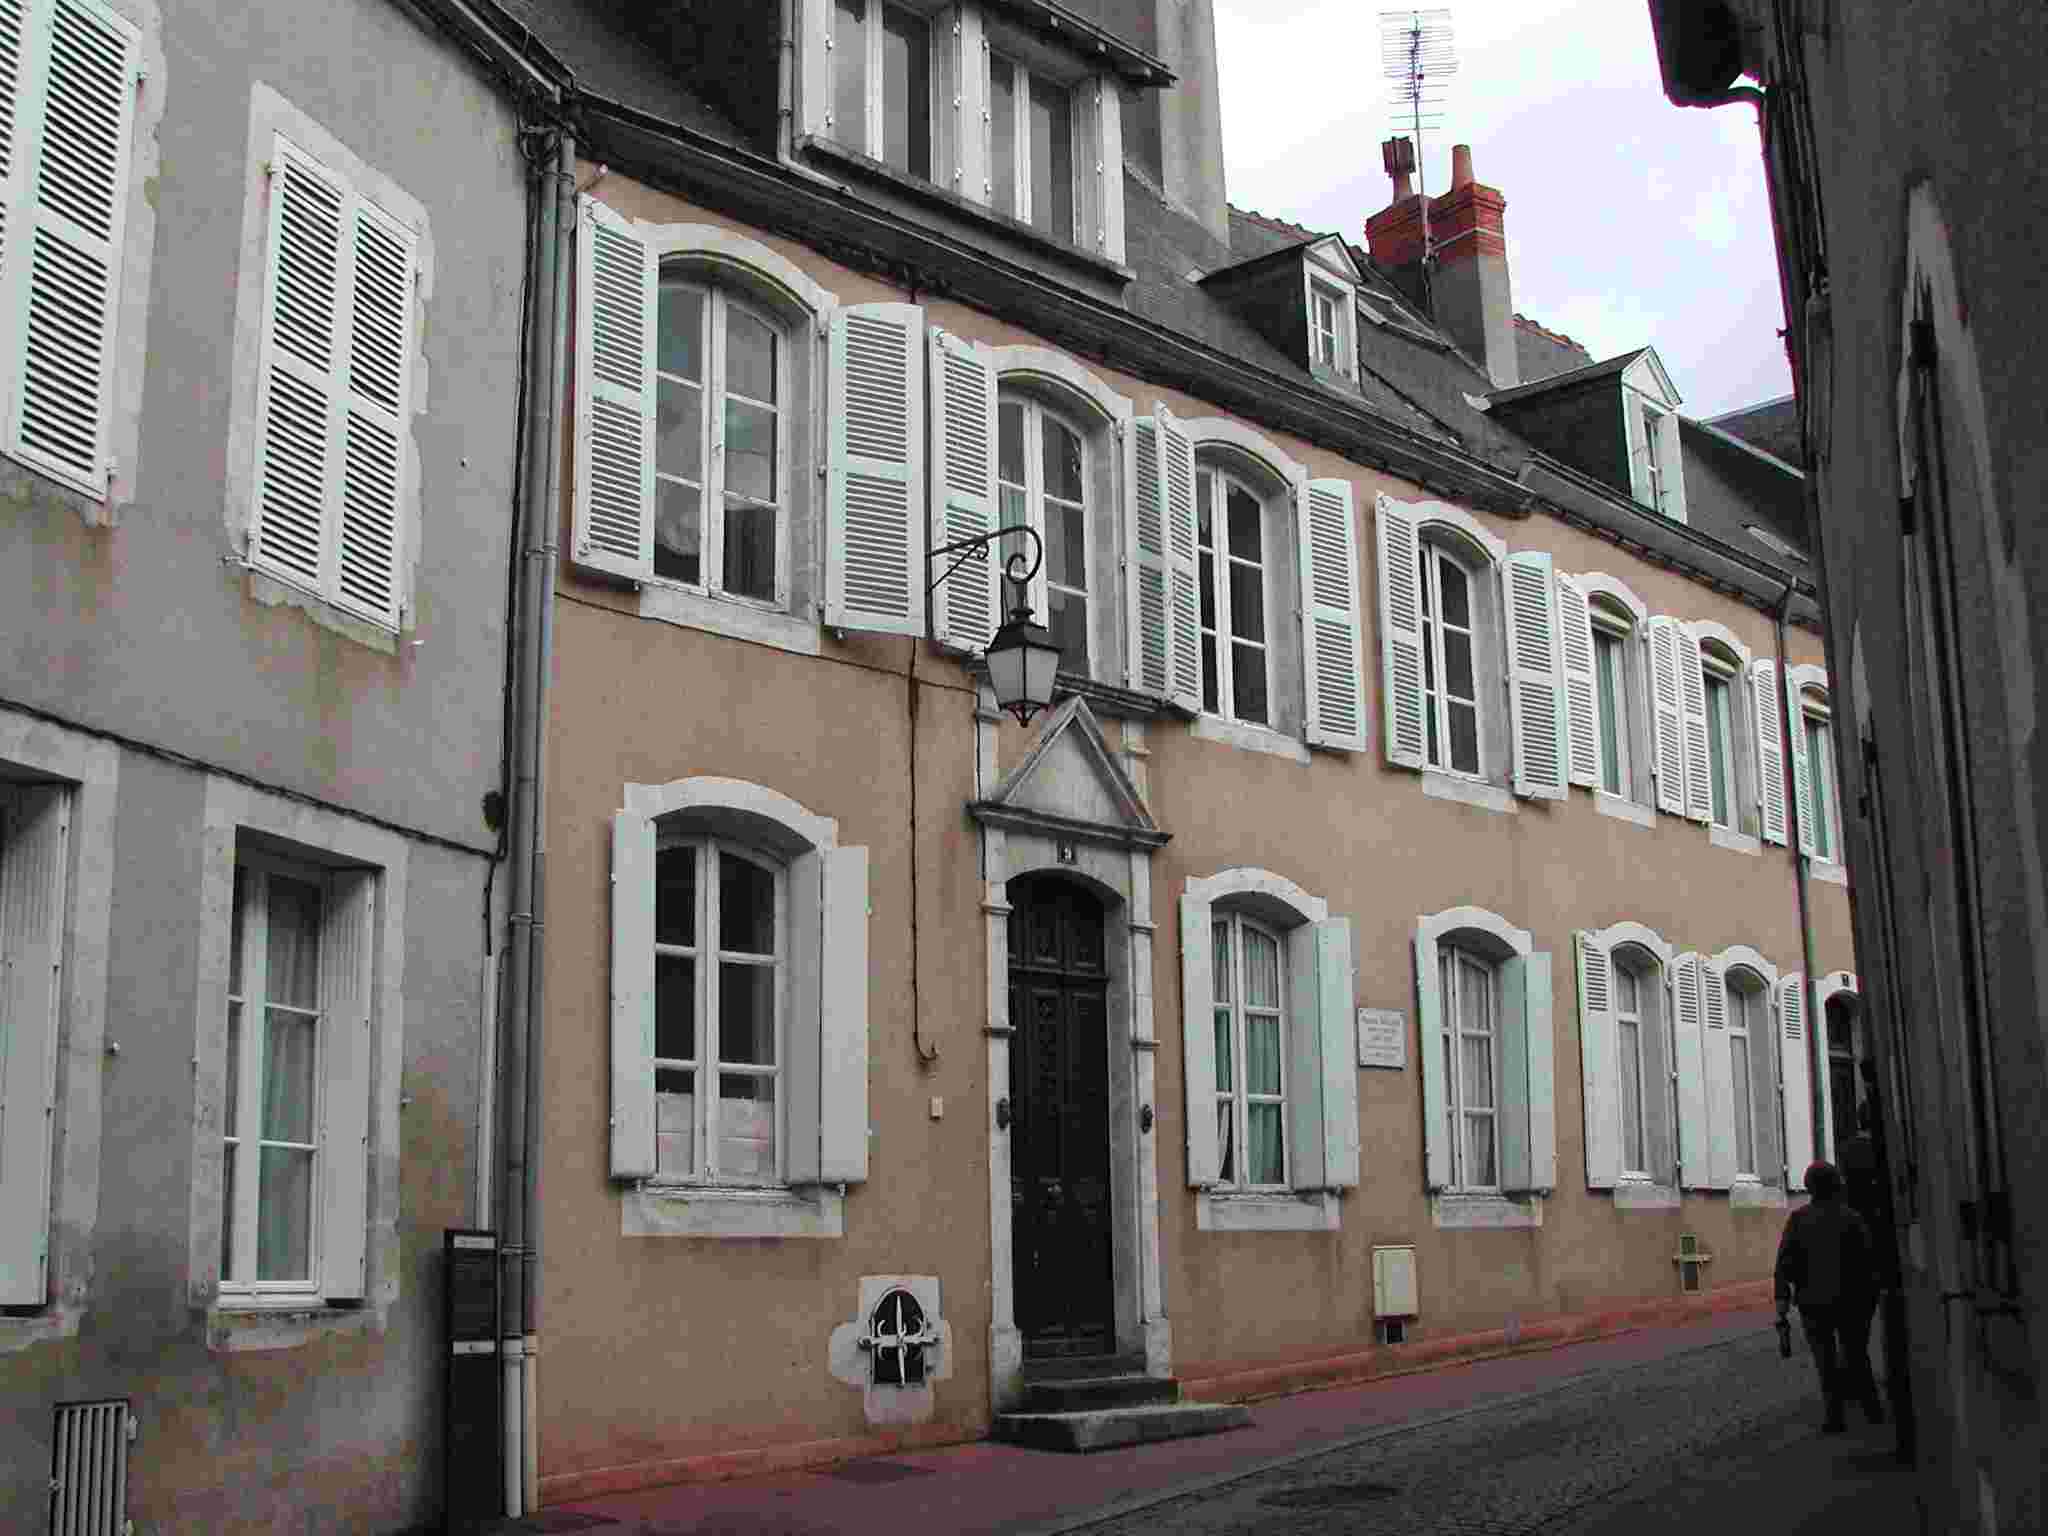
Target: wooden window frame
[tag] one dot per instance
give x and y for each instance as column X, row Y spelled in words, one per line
column 1239, row 1095
column 1037, row 594
column 1450, row 958
column 1219, row 478
column 1435, row 697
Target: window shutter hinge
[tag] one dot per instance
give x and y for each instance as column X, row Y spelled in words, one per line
column 269, row 170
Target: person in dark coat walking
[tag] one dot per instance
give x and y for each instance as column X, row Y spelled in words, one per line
column 1825, row 1260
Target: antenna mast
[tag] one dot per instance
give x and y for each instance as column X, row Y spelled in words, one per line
column 1417, row 57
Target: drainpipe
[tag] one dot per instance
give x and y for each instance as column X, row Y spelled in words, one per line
column 1816, row 1079
column 532, row 640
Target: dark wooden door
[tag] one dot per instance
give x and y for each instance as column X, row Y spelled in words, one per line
column 1059, row 1128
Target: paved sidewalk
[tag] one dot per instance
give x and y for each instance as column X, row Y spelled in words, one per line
column 1006, row 1491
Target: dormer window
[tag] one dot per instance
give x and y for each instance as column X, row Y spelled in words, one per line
column 1031, row 147
column 882, row 84
column 1657, row 492
column 1326, row 335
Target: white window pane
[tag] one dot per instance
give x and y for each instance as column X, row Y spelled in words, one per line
column 1226, row 1140
column 906, row 93
column 1745, row 1131
column 1631, row 1096
column 679, row 331
column 749, row 564
column 675, row 1122
column 1052, row 159
column 746, row 1127
column 1479, row 1162
column 746, row 907
column 850, row 73
column 679, row 430
column 1262, row 1053
column 675, row 1007
column 1261, row 969
column 678, row 532
column 675, row 896
column 1265, row 1159
column 1627, row 991
column 230, row 1119
column 288, row 1081
column 1002, row 107
column 1066, row 620
column 1474, row 994
column 1226, row 1070
column 1477, row 1053
column 1061, row 461
column 746, row 1014
column 294, row 942
column 1221, row 977
column 284, row 1217
column 750, row 346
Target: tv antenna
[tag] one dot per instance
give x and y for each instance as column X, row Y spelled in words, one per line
column 1418, row 57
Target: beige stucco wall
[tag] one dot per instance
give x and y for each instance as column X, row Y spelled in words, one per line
column 660, row 1348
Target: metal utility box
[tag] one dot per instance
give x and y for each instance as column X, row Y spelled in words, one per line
column 1393, row 1283
column 473, row 1490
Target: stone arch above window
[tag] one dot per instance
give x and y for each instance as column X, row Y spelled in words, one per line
column 1712, row 634
column 721, row 253
column 1061, row 379
column 1740, row 957
column 1481, row 929
column 1620, row 599
column 776, row 822
column 1233, row 442
column 1439, row 518
column 1276, row 898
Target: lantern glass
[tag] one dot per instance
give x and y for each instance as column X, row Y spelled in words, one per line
column 1023, row 663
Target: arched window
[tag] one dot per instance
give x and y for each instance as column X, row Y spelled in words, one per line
column 1235, row 551
column 1632, row 977
column 1470, row 1020
column 1249, row 979
column 1044, row 477
column 1820, row 792
column 1630, row 1059
column 1720, row 669
column 1450, row 659
column 1752, row 1075
column 1617, row 673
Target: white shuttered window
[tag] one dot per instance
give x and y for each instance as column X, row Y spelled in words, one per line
column 34, row 838
column 1331, row 619
column 69, row 73
column 1535, row 684
column 333, row 390
column 875, row 518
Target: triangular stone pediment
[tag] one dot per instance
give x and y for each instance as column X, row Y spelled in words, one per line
column 1069, row 785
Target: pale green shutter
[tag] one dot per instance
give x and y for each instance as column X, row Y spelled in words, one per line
column 963, row 500
column 1331, row 629
column 1667, row 723
column 1436, row 1093
column 632, row 997
column 1598, row 1068
column 1526, row 1093
column 1322, row 1081
column 1198, row 1041
column 1149, row 653
column 1535, row 690
column 1401, row 636
column 874, row 471
column 616, row 304
column 1795, row 1069
column 1581, row 691
column 378, row 404
column 348, row 949
column 1184, row 606
column 843, row 1022
column 1768, row 724
column 1541, row 1042
column 1689, row 1039
column 34, row 834
column 1720, row 1076
column 1692, row 700
column 1802, row 768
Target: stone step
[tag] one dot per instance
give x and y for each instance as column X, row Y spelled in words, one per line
column 1079, row 1393
column 1074, row 1367
column 1100, row 1429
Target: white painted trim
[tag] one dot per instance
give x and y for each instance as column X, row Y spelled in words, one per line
column 658, row 800
column 1441, row 925
column 1710, row 629
column 1042, row 365
column 659, row 1210
column 1615, row 935
column 1442, row 514
column 1267, row 1211
column 1827, row 871
column 1747, row 1194
column 1226, row 432
column 1748, row 959
column 1798, row 679
column 1623, row 809
column 1733, row 841
column 1441, row 785
column 1833, row 982
column 671, row 604
column 1607, row 586
column 742, row 256
column 1245, row 881
column 1647, row 374
column 1642, row 1195
column 1451, row 1212
column 1248, row 738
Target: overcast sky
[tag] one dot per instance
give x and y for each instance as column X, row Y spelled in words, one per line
column 1629, row 220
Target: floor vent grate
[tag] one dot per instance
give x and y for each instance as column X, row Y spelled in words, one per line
column 89, row 1469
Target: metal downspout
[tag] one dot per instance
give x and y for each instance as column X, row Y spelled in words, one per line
column 1816, row 1077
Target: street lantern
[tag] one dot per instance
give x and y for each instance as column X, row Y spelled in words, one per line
column 1022, row 660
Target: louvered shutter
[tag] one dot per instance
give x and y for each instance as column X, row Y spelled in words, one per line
column 616, row 306
column 1689, row 1041
column 34, row 832
column 814, row 62
column 843, row 1022
column 1667, row 725
column 1692, row 700
column 1149, row 667
column 1720, row 1076
column 1770, row 750
column 1401, row 636
column 1198, row 1040
column 1436, row 1099
column 963, row 500
column 1639, row 447
column 72, row 125
column 380, row 329
column 1796, row 1077
column 1802, row 769
column 1535, row 691
column 1598, row 1067
column 632, row 996
column 1108, row 148
column 1322, row 1082
column 1540, row 1040
column 1581, row 691
column 1330, row 616
column 1177, row 481
column 347, row 950
column 874, row 492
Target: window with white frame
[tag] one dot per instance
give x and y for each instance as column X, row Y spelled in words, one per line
column 1042, row 478
column 720, row 463
column 1250, row 1012
column 1749, row 1044
column 882, row 83
column 1629, row 989
column 1823, row 792
column 1631, row 1057
column 1471, row 1036
column 1719, row 672
column 34, row 827
column 1326, row 327
column 1450, row 661
column 1232, row 550
column 1031, row 147
column 1653, row 459
column 1613, row 637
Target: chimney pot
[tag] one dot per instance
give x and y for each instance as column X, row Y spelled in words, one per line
column 1398, row 156
column 1461, row 165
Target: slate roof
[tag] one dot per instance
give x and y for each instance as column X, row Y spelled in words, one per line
column 1771, row 425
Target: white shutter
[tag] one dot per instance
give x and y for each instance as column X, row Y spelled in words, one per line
column 1401, row 637
column 1436, row 1100
column 963, row 501
column 1198, row 1041
column 874, row 492
column 1184, row 607
column 347, row 973
column 378, row 399
column 1581, row 690
column 19, row 91
column 297, row 391
column 1667, row 727
column 1689, row 1039
column 616, row 305
column 1598, row 1067
column 1535, row 693
column 1322, row 1083
column 1639, row 447
column 1149, row 667
column 1720, row 1076
column 1330, row 620
column 814, row 61
column 1802, row 769
column 1795, row 1074
column 632, row 994
column 1770, row 749
column 34, row 828
column 73, row 121
column 1692, row 699
column 1109, row 157
column 1540, row 1040
column 843, row 1019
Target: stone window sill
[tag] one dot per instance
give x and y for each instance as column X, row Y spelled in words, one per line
column 1733, row 841
column 235, row 1327
column 1827, row 870
column 1748, row 1194
column 1642, row 1195
column 268, row 590
column 687, row 1210
column 739, row 621
column 1453, row 1212
column 1222, row 1210
column 1476, row 792
column 1248, row 738
column 45, row 1327
column 1623, row 809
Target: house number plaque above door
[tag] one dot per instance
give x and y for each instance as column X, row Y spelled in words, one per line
column 1382, row 1038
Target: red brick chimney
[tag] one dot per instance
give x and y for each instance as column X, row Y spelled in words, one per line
column 1467, row 290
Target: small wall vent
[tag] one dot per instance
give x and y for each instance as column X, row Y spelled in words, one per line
column 89, row 1469
column 1393, row 1283
column 1689, row 1258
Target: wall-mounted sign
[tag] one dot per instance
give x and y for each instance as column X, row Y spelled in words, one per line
column 1382, row 1038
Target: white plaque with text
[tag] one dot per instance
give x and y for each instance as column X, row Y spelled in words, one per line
column 1382, row 1038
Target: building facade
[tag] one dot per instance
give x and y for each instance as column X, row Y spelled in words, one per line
column 1902, row 152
